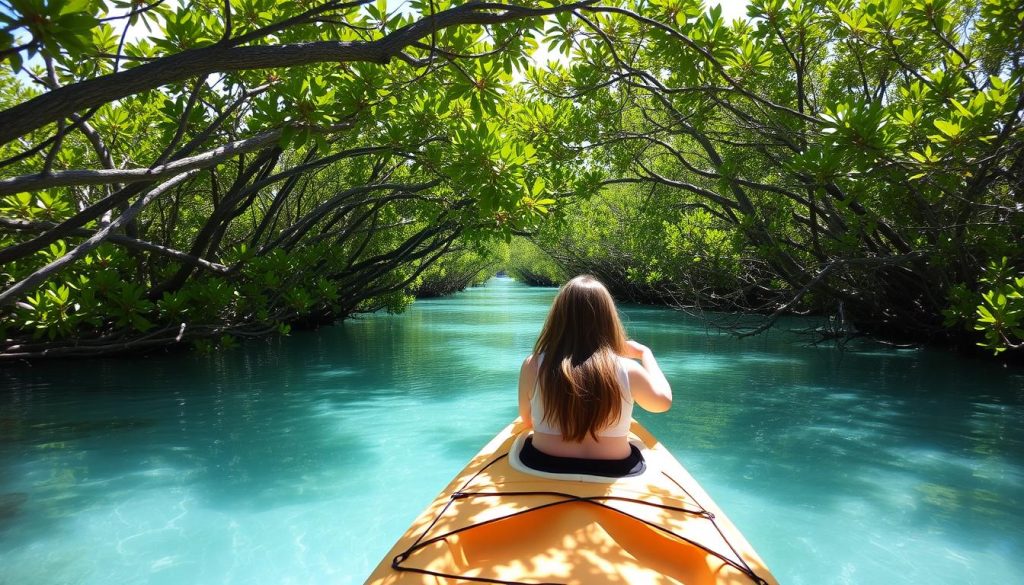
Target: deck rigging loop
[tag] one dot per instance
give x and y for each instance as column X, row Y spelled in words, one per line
column 461, row 494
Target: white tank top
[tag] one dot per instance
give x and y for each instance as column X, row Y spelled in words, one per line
column 619, row 428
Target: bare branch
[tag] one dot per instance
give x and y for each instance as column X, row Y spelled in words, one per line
column 31, row 281
column 132, row 243
column 81, row 177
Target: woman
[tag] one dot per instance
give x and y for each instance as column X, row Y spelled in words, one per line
column 578, row 388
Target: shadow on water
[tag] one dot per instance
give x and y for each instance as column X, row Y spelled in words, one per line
column 10, row 506
column 273, row 425
column 14, row 429
column 893, row 437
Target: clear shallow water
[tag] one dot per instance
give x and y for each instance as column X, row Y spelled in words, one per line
column 302, row 460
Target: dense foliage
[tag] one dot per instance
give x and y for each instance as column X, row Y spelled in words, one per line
column 528, row 263
column 458, row 270
column 173, row 173
column 862, row 159
column 650, row 249
column 251, row 166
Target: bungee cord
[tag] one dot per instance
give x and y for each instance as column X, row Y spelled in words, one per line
column 601, row 501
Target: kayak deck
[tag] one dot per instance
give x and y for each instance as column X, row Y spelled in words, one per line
column 496, row 524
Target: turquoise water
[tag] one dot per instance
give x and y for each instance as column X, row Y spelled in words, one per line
column 301, row 460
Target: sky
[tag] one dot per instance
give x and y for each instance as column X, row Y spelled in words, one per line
column 732, row 8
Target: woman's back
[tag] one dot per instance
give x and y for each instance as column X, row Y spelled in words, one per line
column 610, row 442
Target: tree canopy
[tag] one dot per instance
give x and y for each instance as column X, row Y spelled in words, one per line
column 190, row 173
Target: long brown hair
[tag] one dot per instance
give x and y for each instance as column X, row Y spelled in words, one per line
column 581, row 339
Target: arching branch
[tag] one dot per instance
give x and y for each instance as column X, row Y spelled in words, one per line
column 132, row 243
column 12, row 293
column 106, row 176
column 61, row 103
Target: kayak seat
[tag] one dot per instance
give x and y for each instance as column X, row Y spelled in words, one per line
column 516, row 461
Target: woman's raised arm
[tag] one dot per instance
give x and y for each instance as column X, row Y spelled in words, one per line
column 647, row 383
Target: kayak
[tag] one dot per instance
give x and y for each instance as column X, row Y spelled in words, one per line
column 499, row 521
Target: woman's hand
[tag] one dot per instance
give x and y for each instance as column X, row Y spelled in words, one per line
column 635, row 350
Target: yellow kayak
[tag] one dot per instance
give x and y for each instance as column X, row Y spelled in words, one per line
column 501, row 522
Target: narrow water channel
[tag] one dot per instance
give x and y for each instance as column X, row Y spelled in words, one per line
column 301, row 460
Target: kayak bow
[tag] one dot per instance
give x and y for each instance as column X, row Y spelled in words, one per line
column 500, row 522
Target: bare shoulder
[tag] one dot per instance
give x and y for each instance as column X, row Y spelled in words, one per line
column 527, row 381
column 632, row 367
column 636, row 373
column 530, row 366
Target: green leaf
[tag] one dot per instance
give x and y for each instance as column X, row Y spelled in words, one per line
column 964, row 111
column 538, row 188
column 951, row 129
column 986, row 315
column 15, row 61
column 70, row 6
